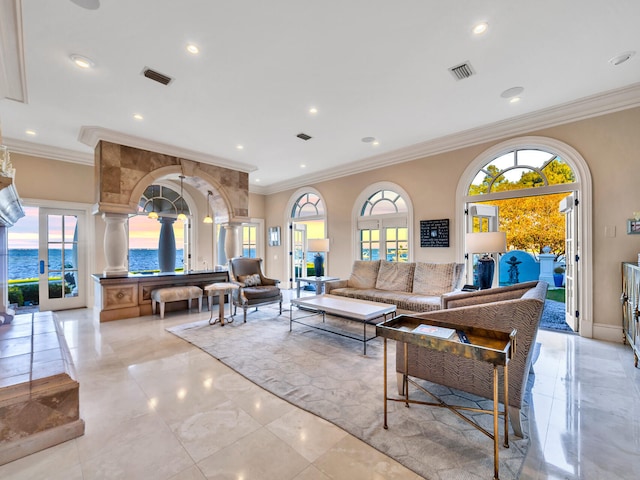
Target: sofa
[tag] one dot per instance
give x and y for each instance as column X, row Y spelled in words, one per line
column 517, row 307
column 410, row 286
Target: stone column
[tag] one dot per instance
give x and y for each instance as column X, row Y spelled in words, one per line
column 167, row 245
column 116, row 244
column 232, row 241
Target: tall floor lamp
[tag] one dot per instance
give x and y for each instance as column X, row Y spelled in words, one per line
column 486, row 243
column 320, row 246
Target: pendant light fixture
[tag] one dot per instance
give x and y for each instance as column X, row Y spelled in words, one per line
column 181, row 215
column 152, row 214
column 208, row 218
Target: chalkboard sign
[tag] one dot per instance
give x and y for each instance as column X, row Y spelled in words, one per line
column 434, row 233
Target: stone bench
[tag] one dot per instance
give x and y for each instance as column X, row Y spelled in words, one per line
column 175, row 294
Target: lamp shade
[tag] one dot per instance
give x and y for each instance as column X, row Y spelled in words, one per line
column 318, row 245
column 486, row 242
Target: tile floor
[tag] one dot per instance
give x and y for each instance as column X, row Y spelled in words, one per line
column 157, row 408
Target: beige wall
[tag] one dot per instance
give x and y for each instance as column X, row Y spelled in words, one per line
column 609, row 144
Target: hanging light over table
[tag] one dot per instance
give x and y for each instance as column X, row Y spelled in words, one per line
column 153, row 215
column 208, row 218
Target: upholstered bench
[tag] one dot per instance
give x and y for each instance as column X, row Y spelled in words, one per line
column 175, row 294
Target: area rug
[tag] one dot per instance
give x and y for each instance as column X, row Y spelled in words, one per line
column 553, row 317
column 329, row 376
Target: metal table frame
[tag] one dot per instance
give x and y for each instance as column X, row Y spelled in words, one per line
column 399, row 329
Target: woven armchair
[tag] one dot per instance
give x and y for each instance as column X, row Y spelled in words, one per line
column 255, row 289
column 517, row 306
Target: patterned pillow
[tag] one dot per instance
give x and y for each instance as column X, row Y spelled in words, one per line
column 435, row 278
column 395, row 276
column 364, row 274
column 250, row 280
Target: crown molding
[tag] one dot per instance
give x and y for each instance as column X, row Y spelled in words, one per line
column 13, row 78
column 48, row 151
column 581, row 109
column 91, row 135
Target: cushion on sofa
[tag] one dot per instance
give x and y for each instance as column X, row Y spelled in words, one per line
column 434, row 278
column 364, row 274
column 395, row 276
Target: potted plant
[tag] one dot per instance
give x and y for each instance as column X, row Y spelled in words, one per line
column 558, row 276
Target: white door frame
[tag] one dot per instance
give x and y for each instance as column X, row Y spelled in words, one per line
column 88, row 241
column 584, row 189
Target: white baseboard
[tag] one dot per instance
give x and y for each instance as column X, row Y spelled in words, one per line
column 609, row 333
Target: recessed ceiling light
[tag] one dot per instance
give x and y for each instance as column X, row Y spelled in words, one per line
column 369, row 139
column 137, row 116
column 193, row 49
column 313, row 110
column 257, row 180
column 480, row 28
column 81, row 61
column 30, row 132
column 240, row 147
column 375, row 143
column 302, row 165
column 512, row 92
column 514, row 99
column 623, row 57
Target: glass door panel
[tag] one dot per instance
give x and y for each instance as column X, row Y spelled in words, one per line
column 61, row 260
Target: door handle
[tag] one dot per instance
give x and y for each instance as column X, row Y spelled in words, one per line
column 41, row 267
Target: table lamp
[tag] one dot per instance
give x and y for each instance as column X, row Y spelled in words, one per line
column 486, row 243
column 320, row 246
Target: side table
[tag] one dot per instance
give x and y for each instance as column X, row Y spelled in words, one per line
column 490, row 346
column 317, row 281
column 222, row 288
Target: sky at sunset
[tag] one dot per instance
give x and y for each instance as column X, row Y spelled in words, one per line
column 143, row 232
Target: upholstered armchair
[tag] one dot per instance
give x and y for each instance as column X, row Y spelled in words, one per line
column 255, row 289
column 517, row 307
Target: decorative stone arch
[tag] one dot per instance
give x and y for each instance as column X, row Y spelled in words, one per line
column 123, row 173
column 583, row 185
column 366, row 193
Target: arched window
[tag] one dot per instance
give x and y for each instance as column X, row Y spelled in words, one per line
column 521, row 169
column 383, row 225
column 308, row 205
column 307, row 221
column 144, row 231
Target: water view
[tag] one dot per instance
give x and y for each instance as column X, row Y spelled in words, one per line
column 23, row 262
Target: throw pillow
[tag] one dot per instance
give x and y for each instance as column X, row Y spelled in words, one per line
column 434, row 278
column 250, row 280
column 395, row 276
column 364, row 274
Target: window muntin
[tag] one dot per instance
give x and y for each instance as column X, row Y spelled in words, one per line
column 308, row 205
column 249, row 241
column 521, row 169
column 383, row 225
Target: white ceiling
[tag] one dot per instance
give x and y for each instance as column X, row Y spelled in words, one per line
column 374, row 68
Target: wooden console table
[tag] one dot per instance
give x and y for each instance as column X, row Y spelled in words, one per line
column 489, row 346
column 125, row 297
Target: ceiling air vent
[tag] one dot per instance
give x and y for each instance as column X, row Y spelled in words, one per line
column 462, row 71
column 303, row 136
column 157, row 76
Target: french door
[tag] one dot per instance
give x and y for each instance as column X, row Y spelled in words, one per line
column 297, row 253
column 568, row 206
column 62, row 283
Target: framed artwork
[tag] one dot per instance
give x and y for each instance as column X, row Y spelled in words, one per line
column 274, row 236
column 434, row 233
column 633, row 226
